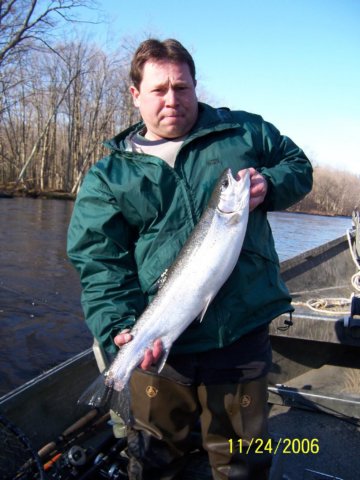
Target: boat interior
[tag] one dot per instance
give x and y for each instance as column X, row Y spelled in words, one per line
column 316, row 361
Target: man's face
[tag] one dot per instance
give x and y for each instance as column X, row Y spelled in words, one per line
column 166, row 99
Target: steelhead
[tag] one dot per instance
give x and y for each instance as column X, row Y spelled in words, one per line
column 201, row 268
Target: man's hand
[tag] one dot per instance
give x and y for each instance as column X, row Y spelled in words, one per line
column 151, row 355
column 258, row 187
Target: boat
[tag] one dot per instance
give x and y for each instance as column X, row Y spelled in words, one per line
column 316, row 350
column 314, row 390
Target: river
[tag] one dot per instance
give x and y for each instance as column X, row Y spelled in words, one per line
column 41, row 321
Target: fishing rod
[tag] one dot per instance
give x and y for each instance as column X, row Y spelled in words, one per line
column 86, row 450
column 50, row 447
column 100, row 456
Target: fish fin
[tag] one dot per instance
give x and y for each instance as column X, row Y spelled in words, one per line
column 101, row 394
column 204, row 310
column 163, row 277
column 163, row 359
column 120, row 404
column 159, row 283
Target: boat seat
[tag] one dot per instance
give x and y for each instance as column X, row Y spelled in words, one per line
column 102, row 359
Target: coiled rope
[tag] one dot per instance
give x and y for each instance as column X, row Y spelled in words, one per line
column 340, row 306
column 355, row 279
column 334, row 306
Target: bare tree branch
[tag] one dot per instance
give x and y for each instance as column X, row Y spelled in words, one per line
column 45, row 128
column 25, row 20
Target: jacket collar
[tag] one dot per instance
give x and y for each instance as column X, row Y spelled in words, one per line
column 209, row 119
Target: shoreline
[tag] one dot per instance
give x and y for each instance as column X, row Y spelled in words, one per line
column 6, row 192
column 51, row 194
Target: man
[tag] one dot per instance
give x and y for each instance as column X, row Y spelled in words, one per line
column 134, row 212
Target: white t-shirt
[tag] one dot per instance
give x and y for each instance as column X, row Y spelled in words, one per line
column 165, row 148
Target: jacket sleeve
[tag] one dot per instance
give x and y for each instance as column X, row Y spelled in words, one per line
column 100, row 246
column 286, row 167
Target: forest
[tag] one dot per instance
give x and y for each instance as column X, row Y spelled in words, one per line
column 60, row 99
column 334, row 192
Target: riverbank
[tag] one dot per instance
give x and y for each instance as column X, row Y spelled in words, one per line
column 314, row 211
column 11, row 192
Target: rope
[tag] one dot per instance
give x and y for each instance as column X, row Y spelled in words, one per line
column 332, row 306
column 355, row 281
column 352, row 236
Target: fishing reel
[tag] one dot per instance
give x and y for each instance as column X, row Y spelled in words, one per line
column 100, row 456
column 115, row 470
column 83, row 462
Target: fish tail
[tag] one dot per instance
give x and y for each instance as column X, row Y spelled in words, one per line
column 103, row 393
column 98, row 394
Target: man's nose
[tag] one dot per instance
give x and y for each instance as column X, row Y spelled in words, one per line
column 171, row 97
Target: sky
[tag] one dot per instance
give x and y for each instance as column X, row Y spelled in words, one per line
column 295, row 62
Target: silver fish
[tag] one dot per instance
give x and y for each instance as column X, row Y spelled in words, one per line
column 201, row 268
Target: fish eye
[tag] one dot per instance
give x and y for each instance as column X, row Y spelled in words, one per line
column 225, row 183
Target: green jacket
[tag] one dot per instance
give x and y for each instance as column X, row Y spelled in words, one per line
column 134, row 212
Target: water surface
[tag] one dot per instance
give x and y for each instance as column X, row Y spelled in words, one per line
column 41, row 322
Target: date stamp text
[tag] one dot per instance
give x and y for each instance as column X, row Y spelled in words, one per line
column 285, row 446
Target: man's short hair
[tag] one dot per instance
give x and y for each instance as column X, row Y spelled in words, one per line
column 156, row 50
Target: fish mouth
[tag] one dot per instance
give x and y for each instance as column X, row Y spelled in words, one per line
column 238, row 208
column 237, row 198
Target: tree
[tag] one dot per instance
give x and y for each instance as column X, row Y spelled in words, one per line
column 26, row 25
column 27, row 32
column 334, row 193
column 72, row 100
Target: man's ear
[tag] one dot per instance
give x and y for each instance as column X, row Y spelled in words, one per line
column 135, row 95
